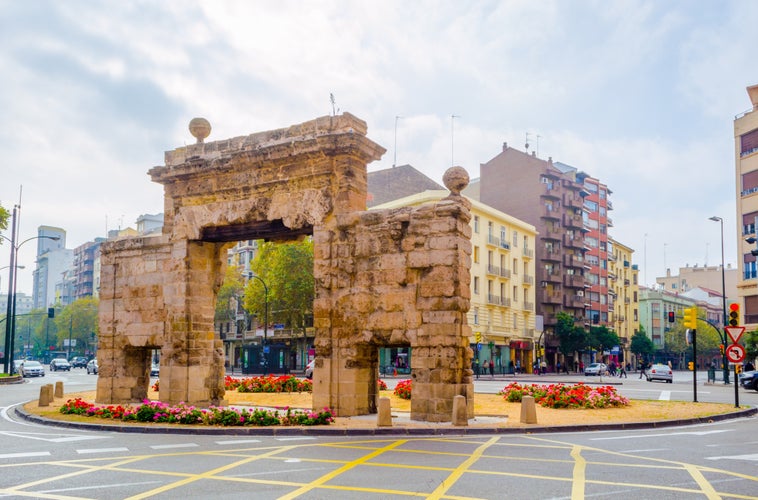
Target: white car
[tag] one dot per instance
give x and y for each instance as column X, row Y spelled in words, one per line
column 660, row 372
column 32, row 369
column 595, row 369
column 309, row 368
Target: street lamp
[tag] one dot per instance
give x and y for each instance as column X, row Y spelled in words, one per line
column 723, row 298
column 265, row 319
column 10, row 324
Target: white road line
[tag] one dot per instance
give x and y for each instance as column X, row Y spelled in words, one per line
column 666, row 434
column 99, row 486
column 239, row 441
column 665, row 396
column 29, row 454
column 167, row 446
column 51, row 438
column 753, row 457
column 304, row 438
column 100, row 450
column 647, row 450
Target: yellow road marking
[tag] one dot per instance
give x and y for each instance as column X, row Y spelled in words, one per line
column 463, row 467
column 706, row 486
column 580, row 468
column 350, row 465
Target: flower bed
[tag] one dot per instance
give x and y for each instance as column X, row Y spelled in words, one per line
column 268, row 383
column 157, row 412
column 565, row 396
column 403, row 389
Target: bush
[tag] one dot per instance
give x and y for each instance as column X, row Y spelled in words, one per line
column 268, row 383
column 382, row 385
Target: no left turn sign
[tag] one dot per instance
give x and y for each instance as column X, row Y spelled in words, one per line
column 735, row 353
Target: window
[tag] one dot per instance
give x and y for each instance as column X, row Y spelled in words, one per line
column 489, row 287
column 601, row 194
column 590, row 242
column 749, row 183
column 476, row 285
column 515, row 239
column 476, row 315
column 502, row 234
column 490, row 255
column 603, row 299
column 515, row 266
column 602, row 211
column 592, row 188
column 590, row 205
column 489, row 228
column 515, row 293
column 476, row 255
column 526, row 241
column 749, row 142
column 502, row 290
column 476, row 224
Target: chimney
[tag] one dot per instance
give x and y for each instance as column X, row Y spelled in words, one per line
column 505, row 146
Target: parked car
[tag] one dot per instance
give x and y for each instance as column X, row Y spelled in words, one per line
column 595, row 369
column 749, row 380
column 309, row 368
column 92, row 367
column 155, row 370
column 79, row 362
column 60, row 364
column 32, row 369
column 660, row 372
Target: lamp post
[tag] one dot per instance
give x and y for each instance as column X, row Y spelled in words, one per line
column 723, row 300
column 10, row 324
column 265, row 319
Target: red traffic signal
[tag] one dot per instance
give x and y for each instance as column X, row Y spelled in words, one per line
column 672, row 317
column 734, row 314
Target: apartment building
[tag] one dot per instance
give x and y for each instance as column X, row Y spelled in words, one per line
column 53, row 260
column 502, row 311
column 551, row 198
column 623, row 294
column 746, row 167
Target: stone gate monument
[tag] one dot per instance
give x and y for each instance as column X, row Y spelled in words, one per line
column 383, row 278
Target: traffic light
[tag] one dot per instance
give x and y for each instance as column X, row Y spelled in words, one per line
column 478, row 337
column 721, row 348
column 734, row 314
column 672, row 317
column 50, row 312
column 690, row 365
column 690, row 318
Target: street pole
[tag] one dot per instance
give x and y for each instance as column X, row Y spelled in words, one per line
column 265, row 319
column 722, row 334
column 8, row 352
column 70, row 331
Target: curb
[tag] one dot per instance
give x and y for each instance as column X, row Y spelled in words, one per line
column 378, row 431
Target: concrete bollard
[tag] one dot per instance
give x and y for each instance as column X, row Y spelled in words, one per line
column 460, row 412
column 384, row 415
column 528, row 410
column 59, row 389
column 44, row 396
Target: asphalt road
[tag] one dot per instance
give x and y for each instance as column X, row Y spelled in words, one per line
column 717, row 460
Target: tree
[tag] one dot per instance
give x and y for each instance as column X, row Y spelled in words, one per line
column 4, row 216
column 572, row 338
column 228, row 295
column 750, row 340
column 287, row 270
column 601, row 338
column 641, row 344
column 77, row 321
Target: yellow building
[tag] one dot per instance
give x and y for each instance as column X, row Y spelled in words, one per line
column 623, row 279
column 746, row 164
column 502, row 313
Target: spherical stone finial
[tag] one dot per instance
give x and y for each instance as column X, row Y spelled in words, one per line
column 200, row 128
column 456, row 179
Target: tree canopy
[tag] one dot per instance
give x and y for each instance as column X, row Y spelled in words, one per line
column 77, row 321
column 571, row 337
column 641, row 344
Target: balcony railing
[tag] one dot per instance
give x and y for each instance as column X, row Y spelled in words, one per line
column 553, row 255
column 573, row 281
column 493, row 270
column 505, row 273
column 493, row 299
column 529, row 306
column 573, row 260
column 550, row 297
column 528, row 253
column 504, row 244
column 505, row 301
column 493, row 240
column 528, row 279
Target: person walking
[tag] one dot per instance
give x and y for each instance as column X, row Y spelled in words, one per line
column 643, row 368
column 622, row 371
column 492, row 369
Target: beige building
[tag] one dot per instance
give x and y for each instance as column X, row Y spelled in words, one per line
column 502, row 314
column 706, row 277
column 746, row 164
column 623, row 277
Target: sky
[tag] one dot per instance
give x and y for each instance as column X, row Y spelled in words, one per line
column 639, row 94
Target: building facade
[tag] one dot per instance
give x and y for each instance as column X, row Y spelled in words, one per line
column 746, row 166
column 623, row 294
column 53, row 260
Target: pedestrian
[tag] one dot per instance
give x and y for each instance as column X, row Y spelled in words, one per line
column 476, row 367
column 557, row 367
column 543, row 367
column 576, row 366
column 485, row 367
column 518, row 367
column 643, row 367
column 622, row 371
column 492, row 369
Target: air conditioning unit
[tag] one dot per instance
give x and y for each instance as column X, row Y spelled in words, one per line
column 580, row 293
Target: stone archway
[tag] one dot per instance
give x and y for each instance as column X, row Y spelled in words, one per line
column 393, row 276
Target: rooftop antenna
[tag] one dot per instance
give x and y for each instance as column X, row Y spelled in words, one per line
column 331, row 99
column 526, row 142
column 394, row 160
column 452, row 139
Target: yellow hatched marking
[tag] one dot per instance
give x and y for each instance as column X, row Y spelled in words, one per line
column 209, row 474
column 348, row 466
column 440, row 491
column 580, row 468
column 704, row 484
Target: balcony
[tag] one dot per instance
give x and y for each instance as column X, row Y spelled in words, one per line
column 573, row 301
column 552, row 255
column 627, row 300
column 493, row 299
column 547, row 213
column 553, row 276
column 528, row 279
column 553, row 233
column 494, row 270
column 626, row 282
column 527, row 253
column 573, row 241
column 504, row 244
column 573, row 281
column 572, row 201
column 573, row 261
column 505, row 301
column 550, row 192
column 609, row 222
column 550, row 297
column 626, row 263
column 505, row 273
column 493, row 240
column 574, row 221
column 528, row 306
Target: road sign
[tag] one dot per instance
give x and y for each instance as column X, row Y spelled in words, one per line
column 735, row 332
column 735, row 353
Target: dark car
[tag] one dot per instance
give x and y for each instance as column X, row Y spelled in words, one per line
column 60, row 364
column 749, row 380
column 79, row 362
